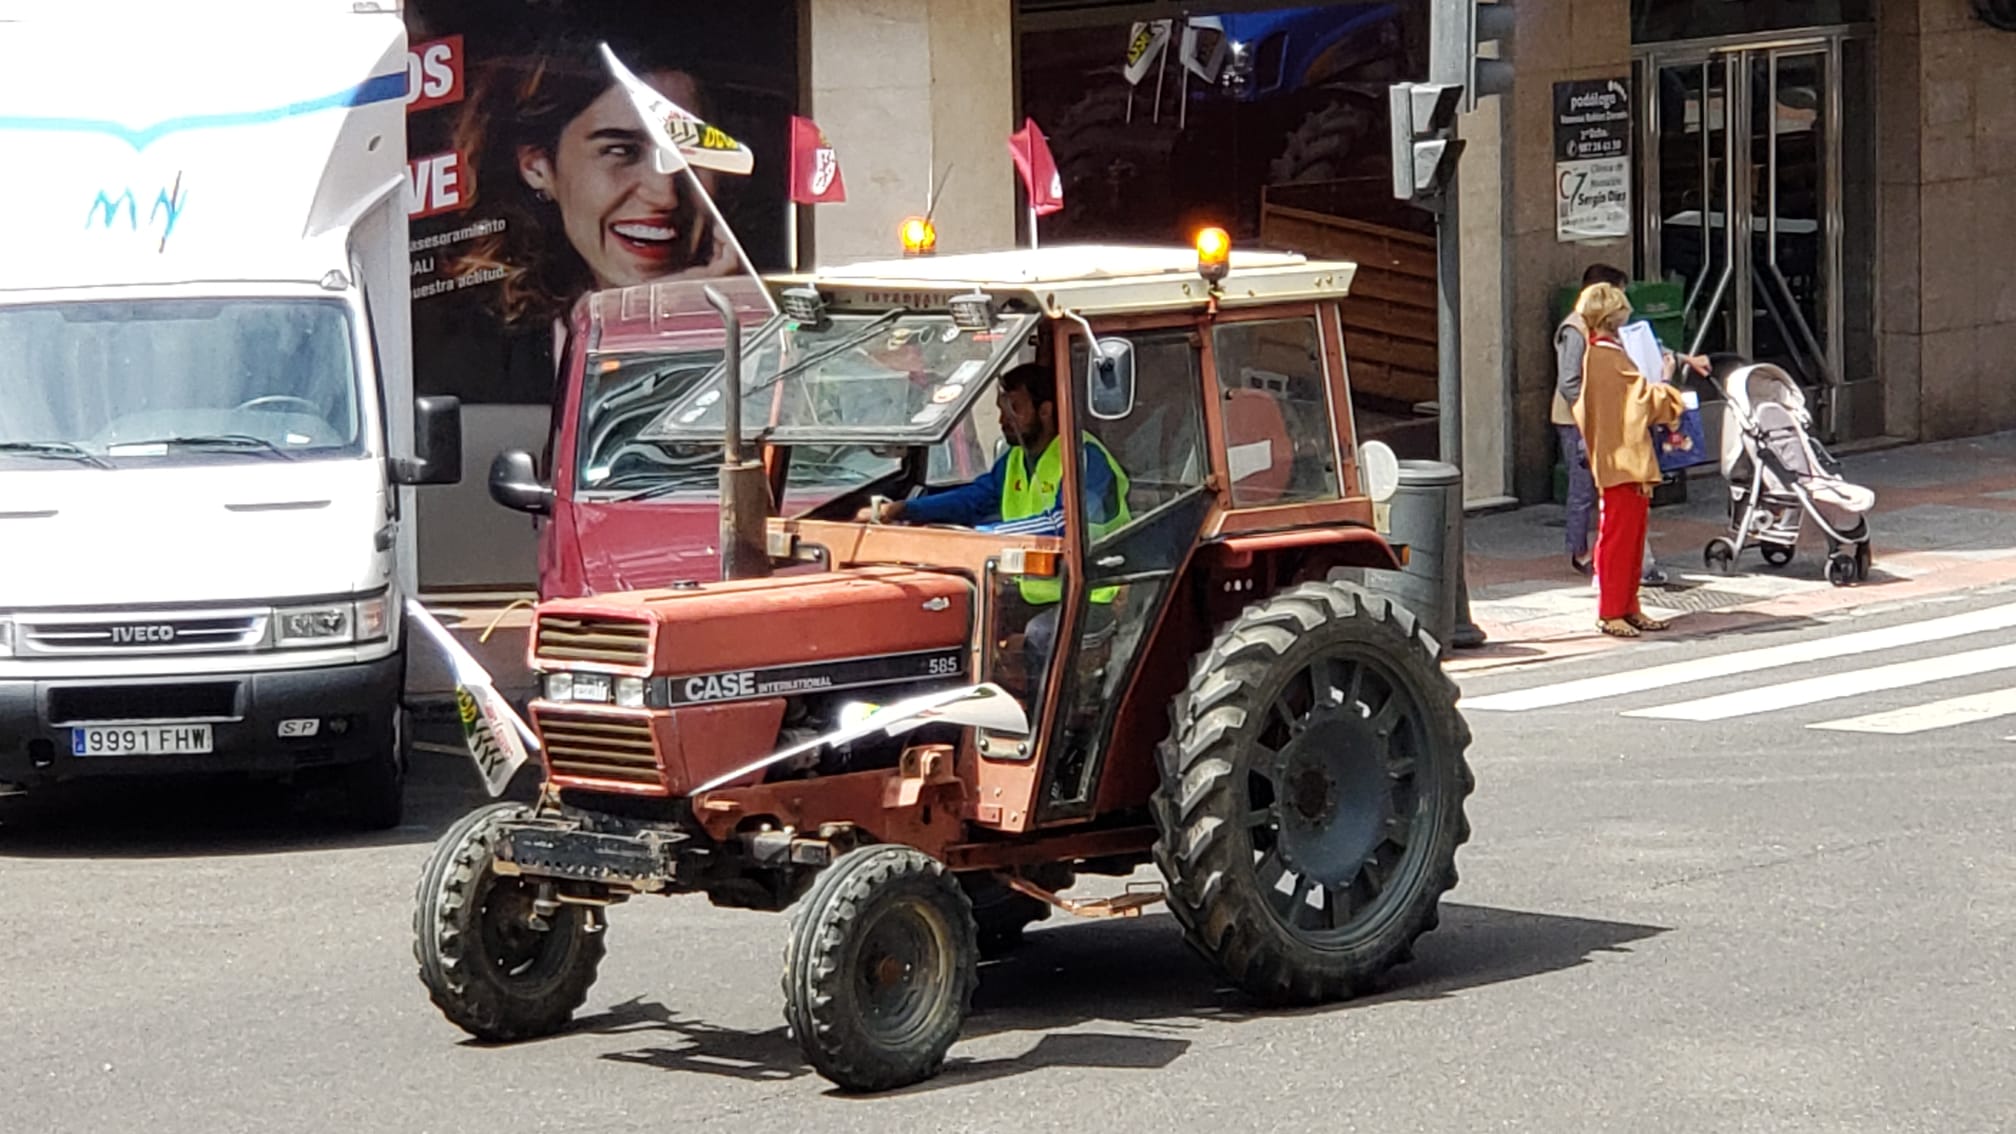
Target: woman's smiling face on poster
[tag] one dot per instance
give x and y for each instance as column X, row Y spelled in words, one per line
column 630, row 223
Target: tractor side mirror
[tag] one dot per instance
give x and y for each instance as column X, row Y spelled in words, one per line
column 515, row 483
column 1109, row 379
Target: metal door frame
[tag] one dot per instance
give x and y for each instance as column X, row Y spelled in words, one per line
column 1735, row 54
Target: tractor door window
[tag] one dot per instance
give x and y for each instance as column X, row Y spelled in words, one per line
column 1131, row 563
column 1280, row 444
column 1160, row 446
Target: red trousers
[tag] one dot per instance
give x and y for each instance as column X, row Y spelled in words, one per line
column 1620, row 549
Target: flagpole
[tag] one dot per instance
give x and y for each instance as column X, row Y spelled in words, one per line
column 1161, row 70
column 721, row 223
column 791, row 233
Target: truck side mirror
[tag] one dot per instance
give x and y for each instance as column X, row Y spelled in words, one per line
column 1109, row 379
column 515, row 483
column 437, row 443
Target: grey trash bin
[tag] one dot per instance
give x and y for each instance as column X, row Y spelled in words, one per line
column 1425, row 512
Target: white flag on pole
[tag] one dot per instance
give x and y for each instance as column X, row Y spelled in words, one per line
column 1204, row 67
column 499, row 740
column 683, row 139
column 1144, row 48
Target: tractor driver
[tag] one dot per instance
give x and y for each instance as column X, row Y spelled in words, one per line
column 1021, row 497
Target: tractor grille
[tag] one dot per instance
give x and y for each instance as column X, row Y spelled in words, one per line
column 607, row 641
column 609, row 750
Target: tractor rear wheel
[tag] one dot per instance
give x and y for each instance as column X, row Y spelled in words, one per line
column 880, row 968
column 486, row 962
column 1312, row 794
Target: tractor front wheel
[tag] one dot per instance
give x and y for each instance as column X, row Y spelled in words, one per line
column 880, row 968
column 1312, row 794
column 495, row 967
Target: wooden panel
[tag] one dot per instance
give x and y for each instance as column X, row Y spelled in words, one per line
column 1390, row 334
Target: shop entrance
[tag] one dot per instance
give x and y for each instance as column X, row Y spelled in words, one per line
column 1757, row 186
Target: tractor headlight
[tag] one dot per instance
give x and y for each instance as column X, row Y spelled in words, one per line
column 595, row 689
column 1378, row 471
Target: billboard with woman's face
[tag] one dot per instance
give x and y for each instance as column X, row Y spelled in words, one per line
column 531, row 179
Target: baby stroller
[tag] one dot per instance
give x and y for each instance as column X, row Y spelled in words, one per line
column 1778, row 475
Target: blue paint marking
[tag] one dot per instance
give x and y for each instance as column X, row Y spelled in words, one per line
column 380, row 88
column 104, row 211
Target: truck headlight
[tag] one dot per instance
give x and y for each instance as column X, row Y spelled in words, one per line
column 333, row 623
column 327, row 624
column 373, row 618
column 6, row 638
column 560, row 687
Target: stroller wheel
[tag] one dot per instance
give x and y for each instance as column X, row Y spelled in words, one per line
column 1841, row 570
column 1719, row 556
column 1776, row 554
column 1862, row 560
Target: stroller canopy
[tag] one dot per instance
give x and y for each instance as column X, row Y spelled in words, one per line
column 1749, row 387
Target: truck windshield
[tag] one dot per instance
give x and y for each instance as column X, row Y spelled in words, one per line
column 106, row 382
column 623, row 392
column 895, row 378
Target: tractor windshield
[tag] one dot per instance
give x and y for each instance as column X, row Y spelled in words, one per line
column 897, row 378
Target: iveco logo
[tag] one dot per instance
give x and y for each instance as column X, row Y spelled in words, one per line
column 141, row 635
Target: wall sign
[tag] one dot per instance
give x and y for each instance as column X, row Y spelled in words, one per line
column 1592, row 160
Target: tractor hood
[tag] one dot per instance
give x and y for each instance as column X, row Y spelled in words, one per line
column 775, row 637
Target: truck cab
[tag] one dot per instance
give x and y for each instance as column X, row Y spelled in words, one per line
column 618, row 511
column 209, row 440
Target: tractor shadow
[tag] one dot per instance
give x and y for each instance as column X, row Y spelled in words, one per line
column 1129, row 995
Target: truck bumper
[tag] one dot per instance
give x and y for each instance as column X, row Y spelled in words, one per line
column 353, row 709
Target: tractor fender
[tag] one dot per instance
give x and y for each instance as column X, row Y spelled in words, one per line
column 1330, row 547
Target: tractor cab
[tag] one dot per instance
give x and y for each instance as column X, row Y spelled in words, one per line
column 1205, row 421
column 917, row 708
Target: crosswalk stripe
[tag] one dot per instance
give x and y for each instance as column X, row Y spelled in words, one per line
column 1644, row 680
column 1832, row 687
column 1949, row 713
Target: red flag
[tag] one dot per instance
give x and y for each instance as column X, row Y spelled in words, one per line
column 1039, row 171
column 815, row 166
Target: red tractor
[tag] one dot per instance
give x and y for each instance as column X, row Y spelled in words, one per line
column 915, row 735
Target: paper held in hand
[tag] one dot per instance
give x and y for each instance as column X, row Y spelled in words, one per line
column 1643, row 346
column 499, row 740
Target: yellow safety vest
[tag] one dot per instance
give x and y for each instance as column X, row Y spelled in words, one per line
column 1024, row 495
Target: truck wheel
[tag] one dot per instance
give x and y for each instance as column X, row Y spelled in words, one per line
column 1329, row 145
column 1112, row 168
column 1312, row 794
column 373, row 790
column 485, row 965
column 880, row 968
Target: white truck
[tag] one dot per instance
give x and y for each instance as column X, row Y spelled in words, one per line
column 208, row 434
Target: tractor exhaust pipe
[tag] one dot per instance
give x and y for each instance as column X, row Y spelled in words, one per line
column 745, row 488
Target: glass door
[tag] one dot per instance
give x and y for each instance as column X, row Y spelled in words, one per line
column 1743, row 193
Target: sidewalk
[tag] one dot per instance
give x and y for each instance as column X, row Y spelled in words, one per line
column 1944, row 521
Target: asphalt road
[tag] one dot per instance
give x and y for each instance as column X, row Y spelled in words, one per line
column 1685, row 925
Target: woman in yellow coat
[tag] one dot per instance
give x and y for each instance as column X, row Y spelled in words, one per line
column 1616, row 412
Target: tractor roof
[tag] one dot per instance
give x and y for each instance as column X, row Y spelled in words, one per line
column 1085, row 278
